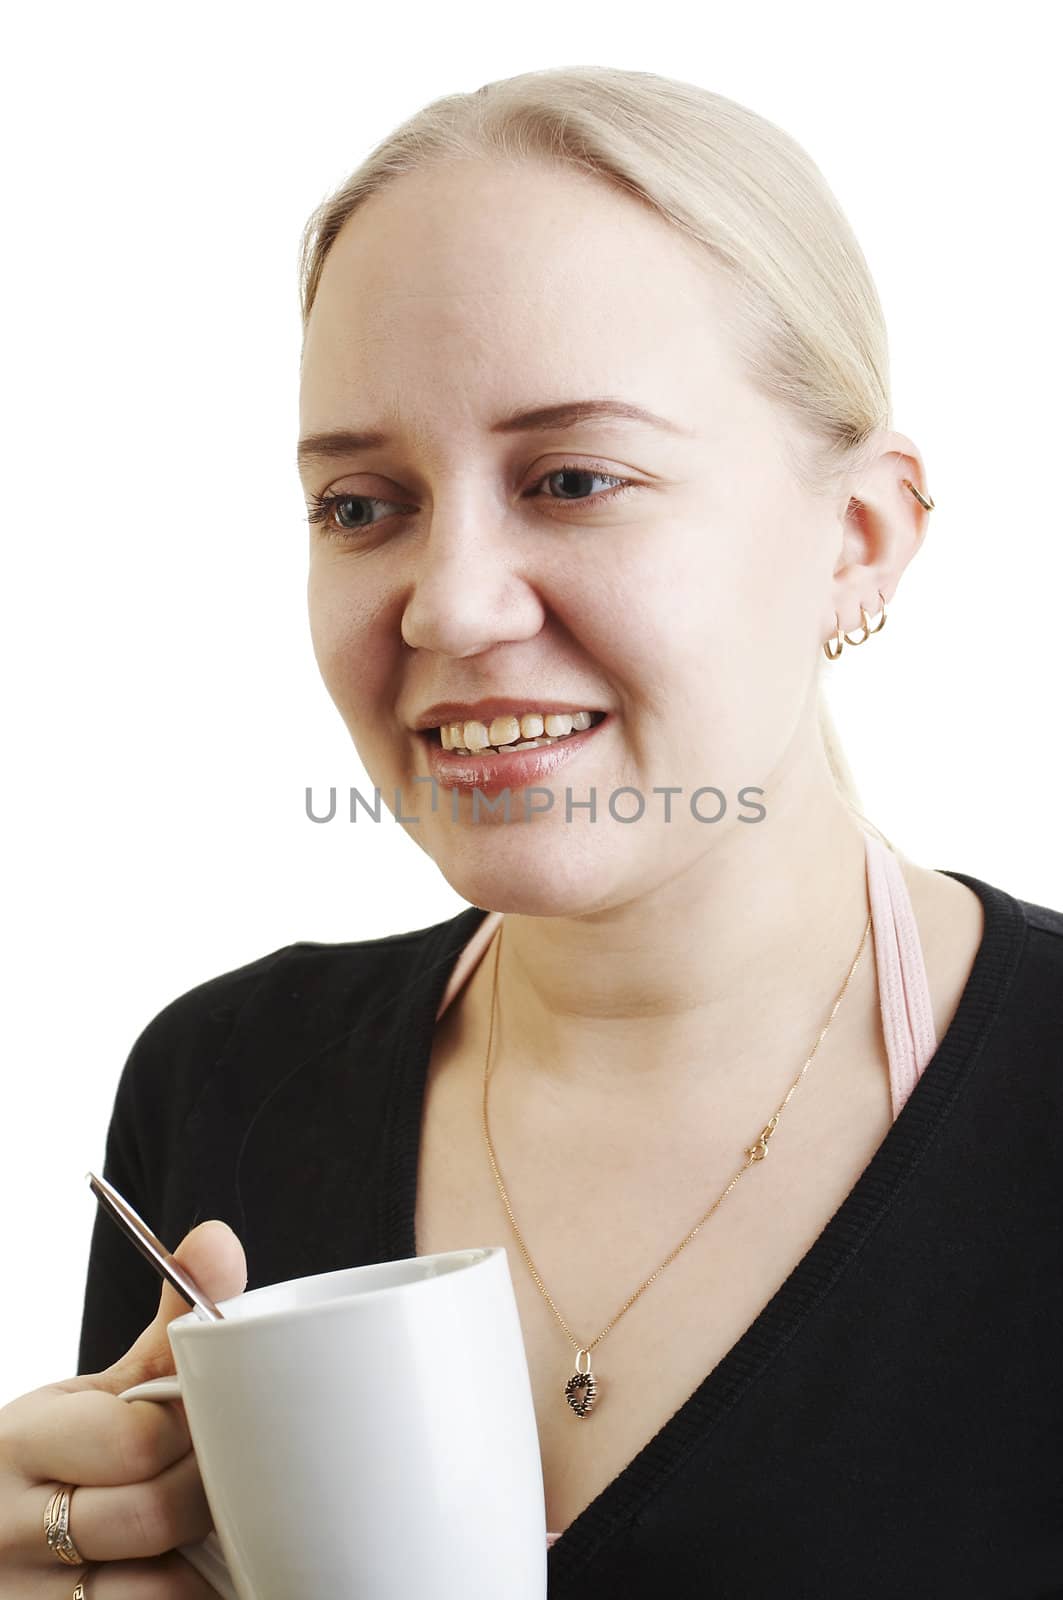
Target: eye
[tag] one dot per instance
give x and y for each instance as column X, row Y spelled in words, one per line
column 332, row 511
column 572, row 471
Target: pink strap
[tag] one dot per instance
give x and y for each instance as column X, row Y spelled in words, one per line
column 903, row 991
column 469, row 959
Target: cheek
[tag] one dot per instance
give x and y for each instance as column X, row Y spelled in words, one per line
column 342, row 593
column 345, row 630
column 712, row 642
column 669, row 620
column 740, row 594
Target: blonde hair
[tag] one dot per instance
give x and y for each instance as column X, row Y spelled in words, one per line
column 809, row 324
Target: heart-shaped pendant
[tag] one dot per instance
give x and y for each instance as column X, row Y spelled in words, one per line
column 581, row 1389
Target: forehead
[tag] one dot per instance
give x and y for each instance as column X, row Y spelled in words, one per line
column 480, row 285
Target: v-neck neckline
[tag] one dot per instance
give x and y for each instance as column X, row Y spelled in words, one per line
column 812, row 1278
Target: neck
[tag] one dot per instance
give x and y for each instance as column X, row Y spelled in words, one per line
column 734, row 962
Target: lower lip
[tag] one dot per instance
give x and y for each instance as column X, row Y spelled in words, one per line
column 511, row 770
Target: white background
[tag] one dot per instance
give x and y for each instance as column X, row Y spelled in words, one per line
column 163, row 710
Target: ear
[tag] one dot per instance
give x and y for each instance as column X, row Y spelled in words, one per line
column 881, row 526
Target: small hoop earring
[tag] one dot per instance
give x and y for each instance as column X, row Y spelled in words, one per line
column 864, row 620
column 925, row 500
column 881, row 623
column 832, row 654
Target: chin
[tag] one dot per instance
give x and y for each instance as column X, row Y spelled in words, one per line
column 526, row 892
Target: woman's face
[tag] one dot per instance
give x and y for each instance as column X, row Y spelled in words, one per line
column 466, row 562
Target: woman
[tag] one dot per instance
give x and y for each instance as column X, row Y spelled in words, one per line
column 595, row 428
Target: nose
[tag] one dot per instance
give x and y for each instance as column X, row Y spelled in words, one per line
column 466, row 593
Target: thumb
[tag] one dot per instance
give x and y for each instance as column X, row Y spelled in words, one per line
column 214, row 1256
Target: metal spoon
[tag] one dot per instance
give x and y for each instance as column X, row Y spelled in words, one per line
column 153, row 1249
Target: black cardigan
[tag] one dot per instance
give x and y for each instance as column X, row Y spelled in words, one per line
column 890, row 1427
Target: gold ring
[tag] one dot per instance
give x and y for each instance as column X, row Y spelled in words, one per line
column 79, row 1590
column 57, row 1527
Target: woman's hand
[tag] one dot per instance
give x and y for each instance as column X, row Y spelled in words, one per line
column 138, row 1493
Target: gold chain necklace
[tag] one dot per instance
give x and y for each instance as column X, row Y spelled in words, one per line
column 581, row 1390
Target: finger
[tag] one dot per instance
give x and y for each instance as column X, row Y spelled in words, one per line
column 119, row 1524
column 91, row 1437
column 169, row 1577
column 214, row 1256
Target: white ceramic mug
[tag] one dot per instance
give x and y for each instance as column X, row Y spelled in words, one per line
column 366, row 1433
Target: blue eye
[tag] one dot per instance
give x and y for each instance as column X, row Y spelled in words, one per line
column 325, row 508
column 585, row 472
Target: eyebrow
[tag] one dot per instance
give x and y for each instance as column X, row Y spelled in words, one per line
column 342, row 442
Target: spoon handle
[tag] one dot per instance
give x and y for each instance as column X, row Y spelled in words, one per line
column 153, row 1249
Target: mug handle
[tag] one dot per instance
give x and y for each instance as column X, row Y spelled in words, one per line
column 206, row 1557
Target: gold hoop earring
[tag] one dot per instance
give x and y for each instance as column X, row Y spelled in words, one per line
column 924, row 500
column 836, row 641
column 864, row 620
column 865, row 623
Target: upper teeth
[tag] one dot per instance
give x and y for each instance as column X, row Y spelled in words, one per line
column 508, row 730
